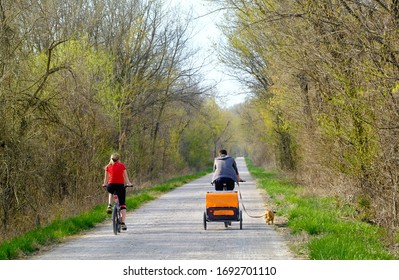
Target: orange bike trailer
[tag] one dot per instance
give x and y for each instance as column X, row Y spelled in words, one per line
column 222, row 206
column 221, row 199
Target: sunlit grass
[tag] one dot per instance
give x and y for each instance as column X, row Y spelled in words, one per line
column 333, row 233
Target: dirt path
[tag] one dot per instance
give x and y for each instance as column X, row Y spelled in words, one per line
column 171, row 228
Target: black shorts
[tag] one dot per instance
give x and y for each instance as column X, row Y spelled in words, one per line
column 120, row 191
column 224, row 182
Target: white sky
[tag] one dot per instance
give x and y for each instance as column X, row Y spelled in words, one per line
column 207, row 34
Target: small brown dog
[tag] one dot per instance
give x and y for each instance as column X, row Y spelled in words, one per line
column 269, row 217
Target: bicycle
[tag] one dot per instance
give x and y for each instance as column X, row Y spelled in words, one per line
column 116, row 213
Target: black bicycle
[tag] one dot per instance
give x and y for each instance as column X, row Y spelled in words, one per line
column 116, row 214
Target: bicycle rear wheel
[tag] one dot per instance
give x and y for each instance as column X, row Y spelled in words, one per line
column 115, row 222
column 119, row 225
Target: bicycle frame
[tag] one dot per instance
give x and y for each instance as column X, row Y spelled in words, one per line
column 116, row 216
column 116, row 213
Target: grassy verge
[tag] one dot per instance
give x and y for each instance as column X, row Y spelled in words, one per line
column 332, row 232
column 53, row 233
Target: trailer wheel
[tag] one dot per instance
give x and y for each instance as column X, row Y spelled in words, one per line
column 204, row 220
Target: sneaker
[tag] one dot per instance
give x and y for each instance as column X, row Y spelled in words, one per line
column 124, row 227
column 109, row 209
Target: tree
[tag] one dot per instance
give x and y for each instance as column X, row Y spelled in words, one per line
column 325, row 73
column 79, row 80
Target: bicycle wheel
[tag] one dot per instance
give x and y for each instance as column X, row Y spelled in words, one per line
column 115, row 221
column 119, row 224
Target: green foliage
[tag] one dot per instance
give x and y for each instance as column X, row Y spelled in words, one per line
column 323, row 75
column 350, row 241
column 209, row 130
column 333, row 233
column 197, row 146
column 56, row 231
column 75, row 89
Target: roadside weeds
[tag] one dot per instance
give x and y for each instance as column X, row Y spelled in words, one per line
column 44, row 237
column 320, row 228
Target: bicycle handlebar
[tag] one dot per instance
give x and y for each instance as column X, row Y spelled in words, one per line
column 240, row 181
column 126, row 186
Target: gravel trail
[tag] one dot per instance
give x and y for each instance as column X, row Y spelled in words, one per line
column 171, row 228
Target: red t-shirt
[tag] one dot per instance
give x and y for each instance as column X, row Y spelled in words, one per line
column 115, row 172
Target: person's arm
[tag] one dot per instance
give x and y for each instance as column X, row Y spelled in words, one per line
column 214, row 172
column 106, row 177
column 236, row 170
column 126, row 177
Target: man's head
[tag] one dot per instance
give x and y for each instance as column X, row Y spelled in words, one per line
column 222, row 152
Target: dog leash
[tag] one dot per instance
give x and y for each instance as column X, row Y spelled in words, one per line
column 243, row 206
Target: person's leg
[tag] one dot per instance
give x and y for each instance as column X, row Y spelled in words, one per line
column 224, row 183
column 218, row 185
column 123, row 212
column 122, row 203
column 110, row 190
column 230, row 184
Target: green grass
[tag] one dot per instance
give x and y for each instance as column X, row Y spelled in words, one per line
column 53, row 233
column 332, row 232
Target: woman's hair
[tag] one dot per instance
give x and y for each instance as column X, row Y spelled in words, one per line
column 114, row 158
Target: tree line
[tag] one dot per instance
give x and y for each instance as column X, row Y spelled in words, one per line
column 82, row 79
column 324, row 75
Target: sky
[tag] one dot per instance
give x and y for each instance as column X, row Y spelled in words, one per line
column 229, row 91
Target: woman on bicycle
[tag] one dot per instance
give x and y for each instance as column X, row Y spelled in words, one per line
column 115, row 179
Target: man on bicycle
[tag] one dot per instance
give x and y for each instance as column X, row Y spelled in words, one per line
column 225, row 172
column 115, row 179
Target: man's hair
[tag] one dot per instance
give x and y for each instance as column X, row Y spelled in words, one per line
column 223, row 152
